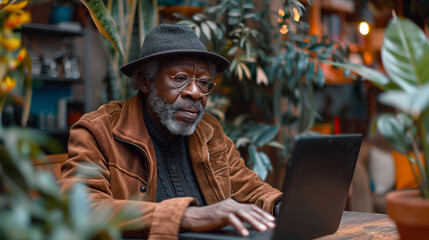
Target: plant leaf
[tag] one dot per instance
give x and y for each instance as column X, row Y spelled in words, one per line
column 267, row 136
column 276, row 144
column 266, row 160
column 206, row 31
column 394, row 131
column 258, row 165
column 420, row 101
column 405, row 54
column 104, row 23
column 79, row 206
column 241, row 142
column 376, row 77
column 396, row 98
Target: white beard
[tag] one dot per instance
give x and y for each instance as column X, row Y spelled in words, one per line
column 167, row 111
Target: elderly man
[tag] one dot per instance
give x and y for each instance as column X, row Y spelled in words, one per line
column 159, row 151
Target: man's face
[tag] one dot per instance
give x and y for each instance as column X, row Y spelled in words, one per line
column 178, row 110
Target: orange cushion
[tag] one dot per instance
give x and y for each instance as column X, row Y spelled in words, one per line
column 404, row 177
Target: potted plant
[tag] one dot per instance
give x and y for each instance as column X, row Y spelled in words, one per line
column 405, row 57
column 123, row 25
column 62, row 11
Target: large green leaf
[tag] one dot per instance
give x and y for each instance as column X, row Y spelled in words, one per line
column 405, row 54
column 148, row 17
column 376, row 77
column 79, row 206
column 394, row 130
column 258, row 164
column 266, row 160
column 420, row 101
column 398, row 99
column 104, row 23
column 266, row 136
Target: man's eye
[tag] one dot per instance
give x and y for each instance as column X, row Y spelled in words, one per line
column 203, row 82
column 180, row 78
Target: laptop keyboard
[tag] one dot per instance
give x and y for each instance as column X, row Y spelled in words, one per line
column 253, row 233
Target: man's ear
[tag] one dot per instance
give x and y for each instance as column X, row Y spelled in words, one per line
column 145, row 85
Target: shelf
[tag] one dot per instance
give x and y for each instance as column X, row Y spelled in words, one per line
column 339, row 6
column 57, row 131
column 46, row 33
column 188, row 11
column 37, row 28
column 56, row 79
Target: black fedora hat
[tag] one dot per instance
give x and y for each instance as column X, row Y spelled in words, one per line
column 170, row 40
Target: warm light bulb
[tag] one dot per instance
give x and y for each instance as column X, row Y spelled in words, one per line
column 364, row 28
column 281, row 13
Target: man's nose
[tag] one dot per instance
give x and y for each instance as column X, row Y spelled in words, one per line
column 192, row 91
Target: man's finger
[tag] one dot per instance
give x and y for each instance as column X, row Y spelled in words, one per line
column 249, row 218
column 263, row 213
column 237, row 224
column 267, row 222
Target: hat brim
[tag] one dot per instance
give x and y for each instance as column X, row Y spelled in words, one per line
column 221, row 62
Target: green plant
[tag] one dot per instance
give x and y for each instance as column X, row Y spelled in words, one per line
column 123, row 25
column 15, row 64
column 31, row 204
column 405, row 57
column 253, row 136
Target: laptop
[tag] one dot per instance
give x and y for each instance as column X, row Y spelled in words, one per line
column 315, row 190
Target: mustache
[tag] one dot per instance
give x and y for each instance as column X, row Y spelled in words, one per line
column 188, row 103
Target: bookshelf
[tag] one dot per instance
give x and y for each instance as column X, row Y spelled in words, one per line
column 61, row 90
column 343, row 103
column 337, row 19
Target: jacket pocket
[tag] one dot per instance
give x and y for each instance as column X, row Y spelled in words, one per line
column 222, row 179
column 126, row 185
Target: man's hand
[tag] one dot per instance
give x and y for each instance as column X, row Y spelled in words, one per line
column 226, row 212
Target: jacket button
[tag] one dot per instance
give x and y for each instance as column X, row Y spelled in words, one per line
column 142, row 189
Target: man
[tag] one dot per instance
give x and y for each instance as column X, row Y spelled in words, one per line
column 160, row 149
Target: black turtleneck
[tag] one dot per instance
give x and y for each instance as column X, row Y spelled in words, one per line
column 176, row 177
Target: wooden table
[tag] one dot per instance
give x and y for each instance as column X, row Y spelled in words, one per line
column 360, row 225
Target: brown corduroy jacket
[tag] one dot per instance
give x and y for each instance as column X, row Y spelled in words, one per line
column 116, row 139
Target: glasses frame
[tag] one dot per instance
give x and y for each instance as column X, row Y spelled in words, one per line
column 186, row 85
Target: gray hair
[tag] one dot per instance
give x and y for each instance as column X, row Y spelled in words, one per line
column 150, row 69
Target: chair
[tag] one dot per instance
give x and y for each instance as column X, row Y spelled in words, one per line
column 52, row 164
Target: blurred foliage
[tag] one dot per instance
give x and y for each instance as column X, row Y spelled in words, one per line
column 253, row 136
column 15, row 64
column 31, row 204
column 123, row 25
column 405, row 58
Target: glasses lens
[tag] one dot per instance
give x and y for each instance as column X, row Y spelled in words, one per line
column 206, row 84
column 180, row 80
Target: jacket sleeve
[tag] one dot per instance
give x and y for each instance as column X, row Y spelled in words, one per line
column 156, row 220
column 246, row 184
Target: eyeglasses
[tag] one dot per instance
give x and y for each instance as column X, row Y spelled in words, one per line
column 182, row 80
